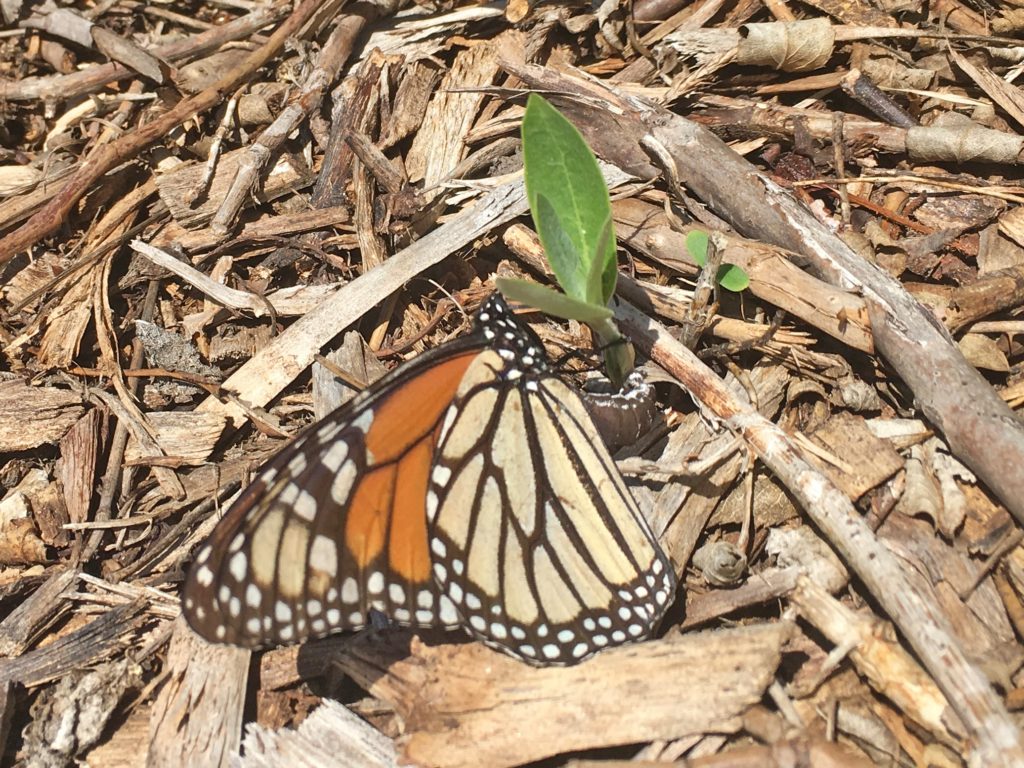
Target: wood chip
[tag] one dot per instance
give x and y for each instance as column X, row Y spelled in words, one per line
column 34, row 416
column 459, row 701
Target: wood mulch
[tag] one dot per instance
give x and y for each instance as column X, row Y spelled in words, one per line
column 219, row 220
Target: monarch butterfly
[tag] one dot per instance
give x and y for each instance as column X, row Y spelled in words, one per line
column 468, row 488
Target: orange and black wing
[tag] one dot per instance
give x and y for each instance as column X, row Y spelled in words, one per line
column 335, row 524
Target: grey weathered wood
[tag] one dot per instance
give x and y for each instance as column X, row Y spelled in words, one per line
column 103, row 638
column 331, row 737
column 35, row 614
column 197, row 718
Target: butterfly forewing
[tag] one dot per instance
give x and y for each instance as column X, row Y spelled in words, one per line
column 334, row 525
column 535, row 537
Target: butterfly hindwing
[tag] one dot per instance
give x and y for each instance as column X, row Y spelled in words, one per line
column 534, row 535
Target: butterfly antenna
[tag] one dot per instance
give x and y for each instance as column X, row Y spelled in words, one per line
column 451, row 297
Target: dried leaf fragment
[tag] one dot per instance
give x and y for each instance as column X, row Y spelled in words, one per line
column 797, row 46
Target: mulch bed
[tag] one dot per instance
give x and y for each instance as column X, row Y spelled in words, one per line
column 220, row 220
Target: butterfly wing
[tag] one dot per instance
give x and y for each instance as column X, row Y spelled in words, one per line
column 334, row 525
column 535, row 537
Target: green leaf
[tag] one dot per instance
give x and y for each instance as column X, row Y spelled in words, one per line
column 599, row 289
column 558, row 246
column 569, row 202
column 697, row 246
column 733, row 278
column 730, row 276
column 552, row 302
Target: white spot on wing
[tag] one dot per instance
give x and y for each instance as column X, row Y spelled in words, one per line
column 238, row 565
column 323, row 556
column 305, row 506
column 446, row 612
column 363, row 421
column 349, row 592
column 204, row 576
column 282, row 612
column 335, row 456
column 441, row 475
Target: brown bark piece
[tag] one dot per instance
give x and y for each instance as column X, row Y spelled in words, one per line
column 122, row 749
column 185, row 438
column 66, row 323
column 458, row 701
column 34, row 615
column 100, row 639
column 419, row 82
column 438, row 146
column 34, row 416
column 866, row 461
column 80, row 449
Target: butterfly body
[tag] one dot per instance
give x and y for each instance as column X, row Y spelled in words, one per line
column 469, row 488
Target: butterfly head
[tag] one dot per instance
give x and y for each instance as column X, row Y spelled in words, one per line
column 514, row 341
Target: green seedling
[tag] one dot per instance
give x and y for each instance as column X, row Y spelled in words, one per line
column 572, row 213
column 729, row 276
